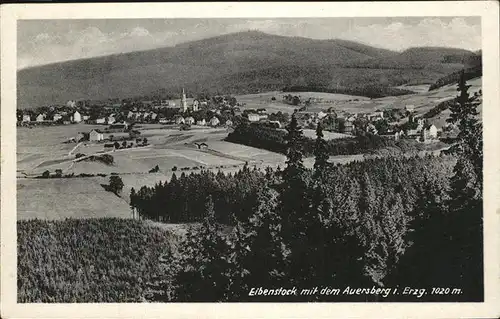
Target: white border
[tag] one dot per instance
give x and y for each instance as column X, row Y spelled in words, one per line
column 488, row 10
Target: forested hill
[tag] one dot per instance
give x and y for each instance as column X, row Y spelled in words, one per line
column 244, row 62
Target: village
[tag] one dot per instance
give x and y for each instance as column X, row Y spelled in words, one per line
column 227, row 112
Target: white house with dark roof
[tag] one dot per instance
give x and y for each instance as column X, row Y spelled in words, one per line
column 77, row 117
column 96, row 135
column 214, row 121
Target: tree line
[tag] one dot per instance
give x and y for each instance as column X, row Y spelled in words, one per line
column 274, row 140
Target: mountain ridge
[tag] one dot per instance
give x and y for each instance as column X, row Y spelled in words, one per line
column 198, row 64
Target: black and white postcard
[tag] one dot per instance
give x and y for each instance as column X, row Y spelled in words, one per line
column 250, row 159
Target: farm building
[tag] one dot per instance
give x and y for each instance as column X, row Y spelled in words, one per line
column 163, row 121
column 214, row 121
column 40, row 118
column 111, row 119
column 96, row 135
column 77, row 117
column 196, row 105
column 26, row 118
column 101, row 120
column 154, row 116
column 253, row 117
column 321, row 114
column 229, row 123
column 179, row 120
column 57, row 117
column 189, row 120
column 410, row 108
column 348, row 126
column 201, row 122
column 431, row 132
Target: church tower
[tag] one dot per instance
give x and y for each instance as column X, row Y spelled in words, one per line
column 184, row 101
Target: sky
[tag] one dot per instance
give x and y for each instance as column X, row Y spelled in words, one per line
column 48, row 41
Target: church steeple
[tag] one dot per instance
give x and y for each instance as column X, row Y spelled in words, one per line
column 184, row 101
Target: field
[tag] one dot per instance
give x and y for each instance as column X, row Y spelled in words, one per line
column 422, row 100
column 53, row 199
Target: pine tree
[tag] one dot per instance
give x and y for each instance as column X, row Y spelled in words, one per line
column 294, row 203
column 204, row 268
column 258, row 257
column 320, row 150
column 132, row 201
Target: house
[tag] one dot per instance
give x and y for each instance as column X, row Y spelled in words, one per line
column 431, row 132
column 77, row 117
column 196, row 105
column 214, row 121
column 111, row 119
column 153, row 116
column 229, row 123
column 26, row 118
column 86, row 117
column 40, row 118
column 348, row 126
column 189, row 120
column 410, row 108
column 321, row 115
column 412, row 133
column 101, row 120
column 96, row 135
column 201, row 122
column 131, row 114
column 57, row 117
column 204, row 103
column 370, row 128
column 253, row 117
column 179, row 120
column 163, row 121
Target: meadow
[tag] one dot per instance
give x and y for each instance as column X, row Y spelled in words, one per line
column 59, row 198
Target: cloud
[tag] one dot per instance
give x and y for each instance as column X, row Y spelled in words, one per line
column 90, row 42
column 428, row 32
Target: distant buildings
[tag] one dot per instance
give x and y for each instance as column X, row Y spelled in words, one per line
column 40, row 118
